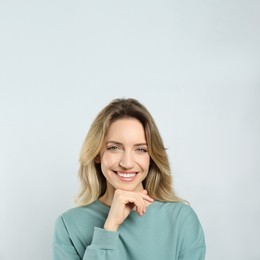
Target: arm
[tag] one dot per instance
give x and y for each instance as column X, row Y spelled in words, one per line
column 62, row 246
column 193, row 242
column 103, row 246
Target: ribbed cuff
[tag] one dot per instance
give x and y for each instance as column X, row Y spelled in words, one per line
column 104, row 239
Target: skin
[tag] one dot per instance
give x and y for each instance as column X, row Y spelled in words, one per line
column 125, row 164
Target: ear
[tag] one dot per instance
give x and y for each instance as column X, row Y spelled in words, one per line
column 97, row 159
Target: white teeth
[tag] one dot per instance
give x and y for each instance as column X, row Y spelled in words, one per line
column 126, row 175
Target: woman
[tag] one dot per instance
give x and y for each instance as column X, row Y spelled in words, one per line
column 127, row 206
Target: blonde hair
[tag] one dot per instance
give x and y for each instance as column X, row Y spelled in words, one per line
column 158, row 183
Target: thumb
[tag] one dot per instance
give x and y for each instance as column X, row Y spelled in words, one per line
column 144, row 192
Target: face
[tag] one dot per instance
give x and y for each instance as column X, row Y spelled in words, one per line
column 124, row 158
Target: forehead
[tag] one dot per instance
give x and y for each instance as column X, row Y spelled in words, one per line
column 128, row 129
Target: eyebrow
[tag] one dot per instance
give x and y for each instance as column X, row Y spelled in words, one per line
column 115, row 142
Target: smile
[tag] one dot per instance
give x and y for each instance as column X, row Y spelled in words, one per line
column 126, row 176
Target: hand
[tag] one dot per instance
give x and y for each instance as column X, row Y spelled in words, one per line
column 123, row 203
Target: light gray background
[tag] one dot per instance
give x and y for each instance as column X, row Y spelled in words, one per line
column 194, row 64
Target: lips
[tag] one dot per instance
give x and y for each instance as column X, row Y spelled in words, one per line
column 126, row 176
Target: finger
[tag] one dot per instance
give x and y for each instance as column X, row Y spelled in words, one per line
column 141, row 206
column 137, row 200
column 143, row 203
column 147, row 197
column 139, row 203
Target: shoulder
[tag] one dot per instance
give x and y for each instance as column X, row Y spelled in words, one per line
column 182, row 217
column 176, row 212
column 175, row 208
column 83, row 213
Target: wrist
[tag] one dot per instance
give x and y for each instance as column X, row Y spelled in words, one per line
column 110, row 227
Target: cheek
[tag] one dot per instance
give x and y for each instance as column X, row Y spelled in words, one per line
column 105, row 164
column 108, row 160
column 145, row 162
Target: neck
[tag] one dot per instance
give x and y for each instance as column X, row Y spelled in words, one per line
column 106, row 199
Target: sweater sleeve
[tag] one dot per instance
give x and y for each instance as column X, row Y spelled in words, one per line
column 193, row 242
column 102, row 247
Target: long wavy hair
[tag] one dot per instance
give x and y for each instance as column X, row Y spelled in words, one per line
column 158, row 183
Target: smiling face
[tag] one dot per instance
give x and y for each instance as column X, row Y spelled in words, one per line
column 124, row 158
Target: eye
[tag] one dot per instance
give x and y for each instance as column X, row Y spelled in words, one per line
column 113, row 148
column 141, row 149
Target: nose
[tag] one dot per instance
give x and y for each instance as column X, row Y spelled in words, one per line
column 127, row 160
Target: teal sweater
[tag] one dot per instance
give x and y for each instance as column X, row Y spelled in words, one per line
column 167, row 231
